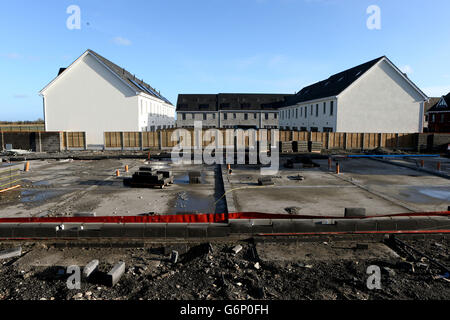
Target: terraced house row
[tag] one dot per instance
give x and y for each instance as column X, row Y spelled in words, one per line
column 374, row 97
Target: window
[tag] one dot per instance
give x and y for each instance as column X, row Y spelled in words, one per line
column 312, row 109
column 303, row 129
column 254, row 115
column 442, row 118
column 266, row 115
column 275, row 115
column 225, row 116
column 327, row 129
column 245, row 116
column 314, row 129
column 324, row 108
column 204, row 116
column 317, row 110
column 214, row 116
column 306, row 112
column 433, row 118
column 301, row 112
column 184, row 116
column 234, row 115
column 331, row 108
column 296, row 113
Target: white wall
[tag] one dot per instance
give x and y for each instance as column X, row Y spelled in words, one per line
column 90, row 98
column 154, row 113
column 297, row 119
column 381, row 101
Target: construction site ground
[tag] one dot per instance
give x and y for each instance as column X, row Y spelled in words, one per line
column 262, row 270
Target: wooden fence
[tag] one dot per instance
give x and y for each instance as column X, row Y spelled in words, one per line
column 22, row 127
column 330, row 140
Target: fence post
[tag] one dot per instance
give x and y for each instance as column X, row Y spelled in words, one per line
column 159, row 140
column 85, row 141
column 40, row 142
column 141, row 140
column 328, row 141
column 363, row 141
column 345, row 141
column 122, row 140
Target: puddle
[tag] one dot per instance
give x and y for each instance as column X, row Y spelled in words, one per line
column 425, row 195
column 41, row 183
column 437, row 194
column 30, row 196
column 184, row 179
column 188, row 202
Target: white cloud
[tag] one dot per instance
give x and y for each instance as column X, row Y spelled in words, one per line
column 122, row 41
column 13, row 56
column 437, row 91
column 20, row 96
column 407, row 69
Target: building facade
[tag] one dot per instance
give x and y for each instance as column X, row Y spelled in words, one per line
column 229, row 110
column 375, row 97
column 94, row 95
column 439, row 116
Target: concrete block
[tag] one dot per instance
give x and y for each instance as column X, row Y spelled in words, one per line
column 176, row 231
column 406, row 224
column 237, row 249
column 133, row 230
column 6, row 231
column 112, row 231
column 91, row 231
column 11, row 253
column 45, row 230
column 197, row 231
column 116, row 273
column 346, row 225
column 355, row 212
column 385, row 224
column 366, row 225
column 153, row 230
column 240, row 226
column 24, row 231
column 218, row 231
column 90, row 268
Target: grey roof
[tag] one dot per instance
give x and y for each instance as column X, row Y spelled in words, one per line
column 129, row 78
column 437, row 108
column 230, row 101
column 334, row 85
column 430, row 103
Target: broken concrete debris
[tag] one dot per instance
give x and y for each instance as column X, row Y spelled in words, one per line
column 11, row 253
column 237, row 249
column 174, row 256
column 293, row 210
column 116, row 273
column 90, row 268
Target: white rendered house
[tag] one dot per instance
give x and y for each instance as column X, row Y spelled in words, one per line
column 94, row 95
column 375, row 97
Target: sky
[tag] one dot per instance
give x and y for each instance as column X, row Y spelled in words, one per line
column 213, row 46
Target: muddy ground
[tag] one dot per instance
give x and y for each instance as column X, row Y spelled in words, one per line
column 210, row 271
